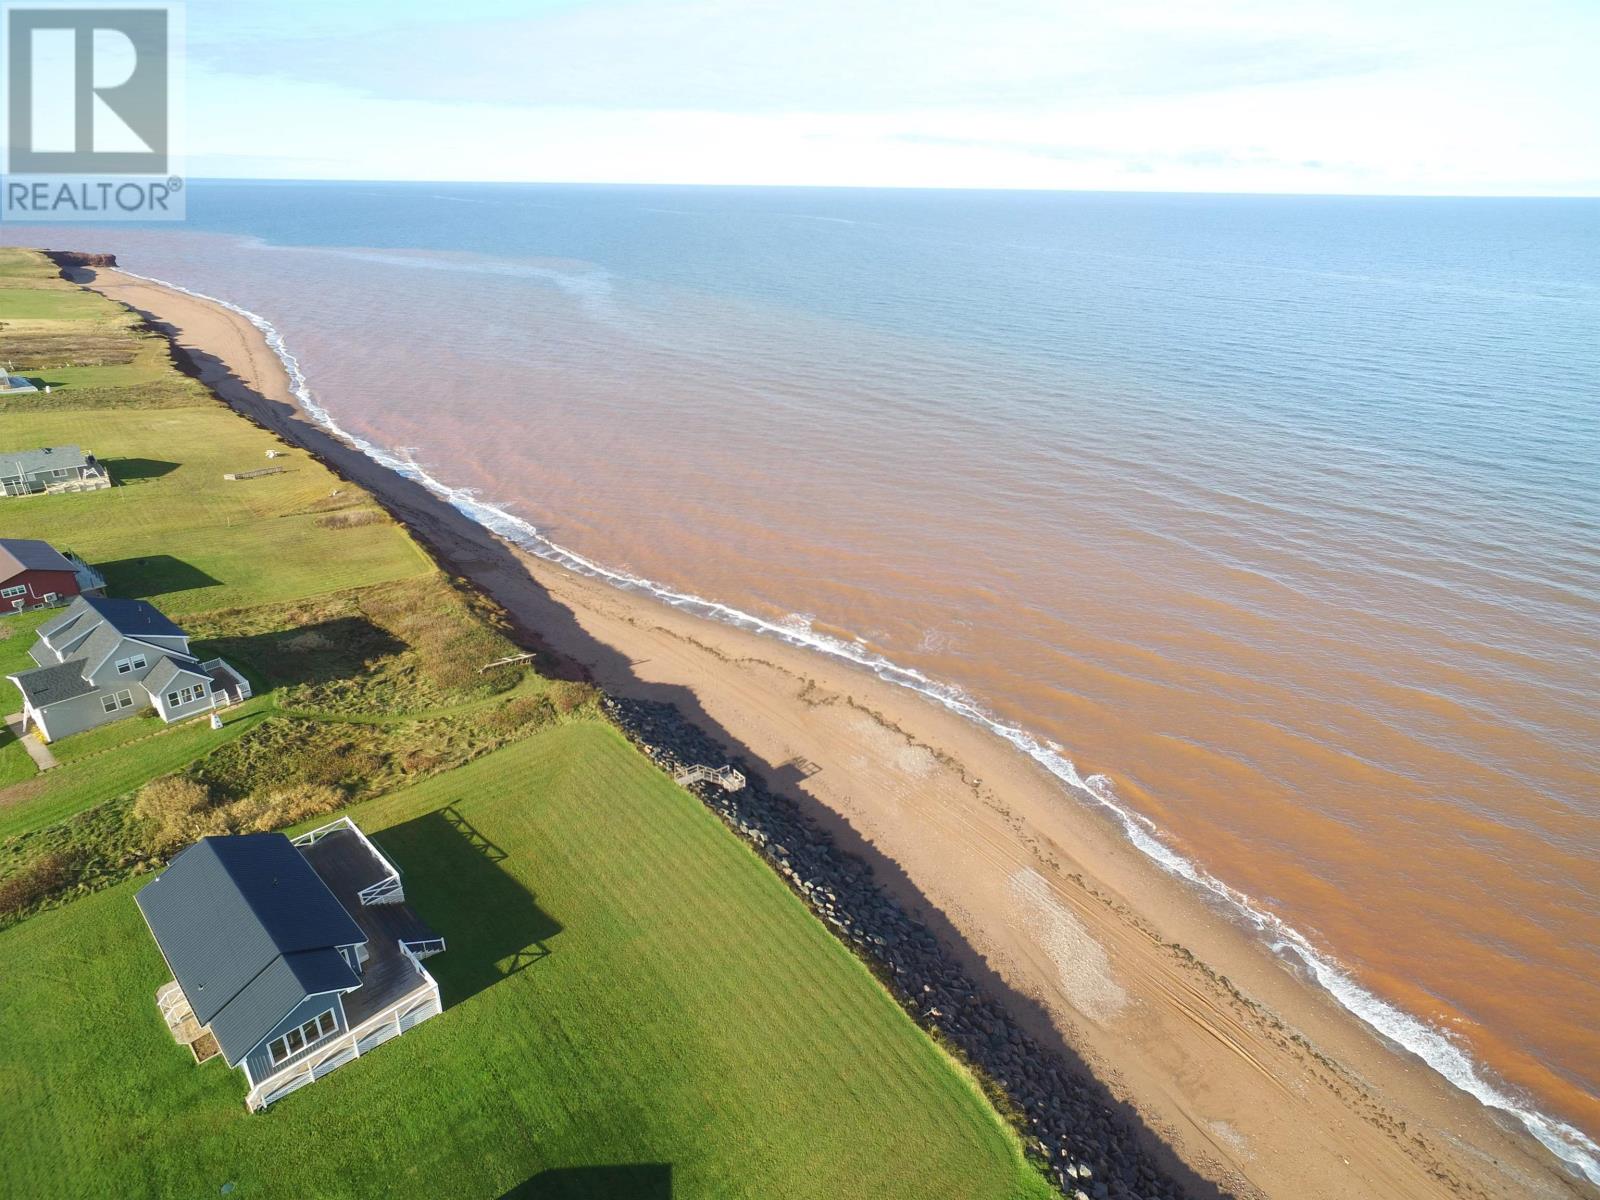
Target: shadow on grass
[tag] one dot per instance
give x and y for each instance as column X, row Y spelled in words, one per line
column 341, row 648
column 543, row 622
column 492, row 926
column 639, row 1181
column 136, row 470
column 153, row 575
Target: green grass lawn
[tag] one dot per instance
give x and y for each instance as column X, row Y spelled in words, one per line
column 48, row 304
column 175, row 533
column 16, row 635
column 630, row 996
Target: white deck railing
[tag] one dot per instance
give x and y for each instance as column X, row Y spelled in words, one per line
column 241, row 685
column 409, row 1011
column 387, row 890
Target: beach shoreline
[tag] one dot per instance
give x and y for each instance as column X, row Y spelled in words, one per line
column 1259, row 1082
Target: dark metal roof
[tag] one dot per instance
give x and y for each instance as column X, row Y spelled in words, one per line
column 128, row 618
column 249, row 930
column 133, row 618
column 44, row 686
column 30, row 554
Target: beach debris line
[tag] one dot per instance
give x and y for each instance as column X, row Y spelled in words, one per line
column 1070, row 1123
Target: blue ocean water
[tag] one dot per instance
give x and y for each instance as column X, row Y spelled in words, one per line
column 1279, row 514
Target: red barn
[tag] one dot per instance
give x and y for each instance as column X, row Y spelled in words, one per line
column 33, row 573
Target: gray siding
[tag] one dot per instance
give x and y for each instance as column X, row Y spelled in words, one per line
column 259, row 1061
column 86, row 712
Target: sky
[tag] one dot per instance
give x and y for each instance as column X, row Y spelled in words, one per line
column 1344, row 96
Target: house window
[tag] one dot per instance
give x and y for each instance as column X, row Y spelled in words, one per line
column 124, row 699
column 309, row 1034
column 136, row 663
column 172, row 699
column 109, row 703
column 20, row 590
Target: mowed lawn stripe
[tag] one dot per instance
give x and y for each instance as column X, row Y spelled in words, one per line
column 690, row 1012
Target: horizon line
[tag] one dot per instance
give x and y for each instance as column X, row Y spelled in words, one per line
column 896, row 187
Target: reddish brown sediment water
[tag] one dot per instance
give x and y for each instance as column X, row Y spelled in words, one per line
column 1271, row 529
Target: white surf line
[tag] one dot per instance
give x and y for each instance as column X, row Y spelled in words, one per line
column 1433, row 1045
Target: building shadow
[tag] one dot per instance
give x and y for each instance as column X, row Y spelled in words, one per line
column 137, row 470
column 637, row 1181
column 326, row 652
column 153, row 575
column 491, row 923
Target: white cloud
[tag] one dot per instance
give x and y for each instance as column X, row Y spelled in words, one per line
column 1246, row 96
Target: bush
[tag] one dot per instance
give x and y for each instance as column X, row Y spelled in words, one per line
column 523, row 712
column 177, row 809
column 181, row 810
column 352, row 520
column 569, row 696
column 261, row 814
column 43, row 877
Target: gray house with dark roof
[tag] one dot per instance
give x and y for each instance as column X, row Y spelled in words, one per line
column 289, row 958
column 51, row 469
column 102, row 660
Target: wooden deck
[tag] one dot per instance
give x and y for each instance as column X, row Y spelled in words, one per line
column 346, row 865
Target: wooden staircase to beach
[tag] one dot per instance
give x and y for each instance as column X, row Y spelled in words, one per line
column 724, row 777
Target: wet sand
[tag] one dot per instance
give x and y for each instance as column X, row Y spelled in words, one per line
column 1258, row 1082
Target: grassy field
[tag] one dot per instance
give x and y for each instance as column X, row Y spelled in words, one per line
column 631, row 997
column 175, row 533
column 636, row 1007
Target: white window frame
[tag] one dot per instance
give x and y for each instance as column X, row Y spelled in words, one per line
column 306, row 1040
column 124, row 699
column 109, row 702
column 135, row 662
column 21, row 589
column 172, row 699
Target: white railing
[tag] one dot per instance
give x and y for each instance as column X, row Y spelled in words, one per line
column 420, row 949
column 241, row 685
column 409, row 1011
column 725, row 777
column 387, row 890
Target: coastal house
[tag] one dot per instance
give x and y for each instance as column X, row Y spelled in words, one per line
column 288, row 958
column 102, row 660
column 51, row 469
column 35, row 573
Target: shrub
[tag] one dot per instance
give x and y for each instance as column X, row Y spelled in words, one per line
column 261, row 814
column 568, row 695
column 352, row 520
column 523, row 712
column 177, row 810
column 43, row 877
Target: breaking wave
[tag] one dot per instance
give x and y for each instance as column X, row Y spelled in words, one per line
column 1436, row 1047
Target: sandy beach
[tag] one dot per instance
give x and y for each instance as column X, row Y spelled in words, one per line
column 1259, row 1083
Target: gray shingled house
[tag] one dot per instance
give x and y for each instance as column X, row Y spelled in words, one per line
column 51, row 469
column 289, row 958
column 102, row 660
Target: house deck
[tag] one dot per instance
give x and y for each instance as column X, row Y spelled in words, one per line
column 343, row 861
